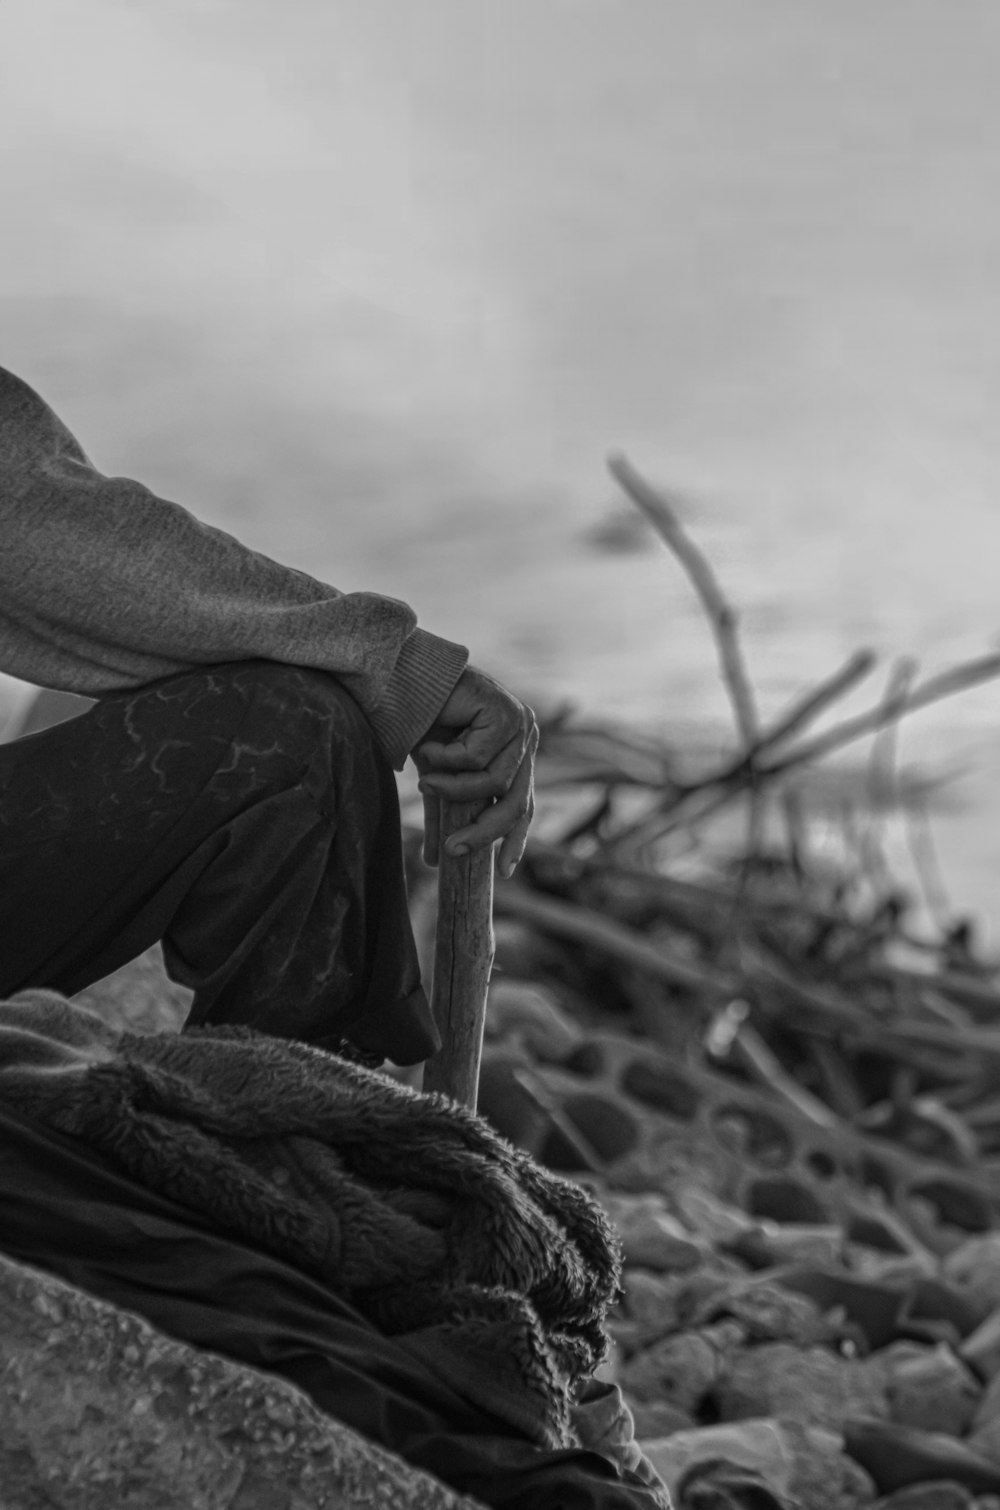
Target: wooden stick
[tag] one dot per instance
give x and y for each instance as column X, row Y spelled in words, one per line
column 721, row 615
column 463, row 959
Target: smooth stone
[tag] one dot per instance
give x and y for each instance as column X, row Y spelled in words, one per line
column 885, row 1268
column 935, row 1303
column 713, row 1219
column 768, row 1312
column 771, row 1243
column 975, row 1266
column 872, row 1305
column 813, row 1386
column 680, row 1369
column 658, row 1418
column 756, row 1444
column 805, row 1466
column 929, row 1388
column 651, row 1237
column 896, row 1456
column 943, row 1494
column 985, row 1434
column 981, row 1349
column 650, row 1302
column 518, row 1009
column 726, row 1486
column 988, row 1408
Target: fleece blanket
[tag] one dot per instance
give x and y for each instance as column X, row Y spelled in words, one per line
column 442, row 1234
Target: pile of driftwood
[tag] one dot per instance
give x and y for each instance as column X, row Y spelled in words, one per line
column 784, row 1080
column 803, row 967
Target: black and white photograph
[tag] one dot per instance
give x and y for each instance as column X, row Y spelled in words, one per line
column 500, row 755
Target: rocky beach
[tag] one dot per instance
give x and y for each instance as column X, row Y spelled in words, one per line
column 377, row 289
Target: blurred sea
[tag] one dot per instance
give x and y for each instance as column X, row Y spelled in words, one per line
column 376, row 286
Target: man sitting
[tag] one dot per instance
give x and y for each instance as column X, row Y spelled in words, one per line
column 231, row 790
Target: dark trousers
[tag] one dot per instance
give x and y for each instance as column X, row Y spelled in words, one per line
column 244, row 815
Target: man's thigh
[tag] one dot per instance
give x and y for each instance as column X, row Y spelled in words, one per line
column 99, row 811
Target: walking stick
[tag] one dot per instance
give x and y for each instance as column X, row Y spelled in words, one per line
column 463, row 958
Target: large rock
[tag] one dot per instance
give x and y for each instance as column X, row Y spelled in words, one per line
column 140, row 997
column 99, row 1409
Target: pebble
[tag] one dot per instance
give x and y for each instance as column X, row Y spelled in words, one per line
column 758, row 1444
column 930, row 1388
column 875, row 1263
column 650, row 1302
column 837, row 1359
column 823, row 1476
column 942, row 1494
column 651, row 1236
column 985, row 1434
column 520, row 1010
column 802, row 1466
column 813, row 1386
column 680, row 1369
column 715, row 1220
column 896, row 1456
column 975, row 1266
column 767, row 1312
column 772, row 1243
column 659, row 1418
column 981, row 1349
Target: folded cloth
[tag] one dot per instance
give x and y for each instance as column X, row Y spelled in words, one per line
column 68, row 1209
column 495, row 1272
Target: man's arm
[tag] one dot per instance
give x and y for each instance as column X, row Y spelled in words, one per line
column 104, row 586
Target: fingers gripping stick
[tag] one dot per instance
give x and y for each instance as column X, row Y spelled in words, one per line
column 463, row 959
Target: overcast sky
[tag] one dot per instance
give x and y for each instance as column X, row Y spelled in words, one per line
column 744, row 233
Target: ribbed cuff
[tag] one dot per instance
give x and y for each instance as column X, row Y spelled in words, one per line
column 421, row 682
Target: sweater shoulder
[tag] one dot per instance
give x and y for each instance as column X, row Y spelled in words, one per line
column 30, row 431
column 19, row 402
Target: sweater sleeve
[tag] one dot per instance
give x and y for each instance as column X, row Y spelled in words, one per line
column 104, row 586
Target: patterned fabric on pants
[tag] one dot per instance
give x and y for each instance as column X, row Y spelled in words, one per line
column 244, row 815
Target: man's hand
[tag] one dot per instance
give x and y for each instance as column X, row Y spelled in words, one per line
column 482, row 745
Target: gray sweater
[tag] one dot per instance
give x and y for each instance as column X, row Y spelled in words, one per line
column 104, row 586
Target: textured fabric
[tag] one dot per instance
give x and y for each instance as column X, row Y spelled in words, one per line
column 68, row 1209
column 497, row 1273
column 246, row 815
column 104, row 586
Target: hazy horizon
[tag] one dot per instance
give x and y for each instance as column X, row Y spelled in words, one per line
column 378, row 285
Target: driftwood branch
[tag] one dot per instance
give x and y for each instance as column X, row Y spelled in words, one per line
column 702, row 799
column 807, row 708
column 723, row 620
column 721, row 615
column 959, row 679
column 581, row 925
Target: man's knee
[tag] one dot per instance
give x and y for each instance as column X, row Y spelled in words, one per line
column 300, row 707
column 301, row 727
column 241, row 730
